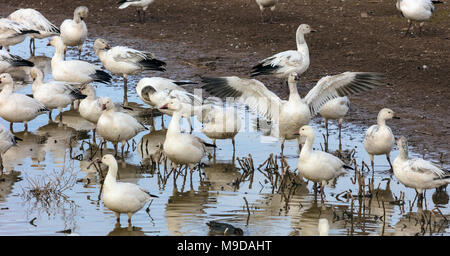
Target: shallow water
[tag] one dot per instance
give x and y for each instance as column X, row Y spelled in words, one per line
column 185, row 205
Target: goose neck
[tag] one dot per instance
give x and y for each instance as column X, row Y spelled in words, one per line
column 307, row 147
column 293, row 92
column 111, row 176
column 174, row 125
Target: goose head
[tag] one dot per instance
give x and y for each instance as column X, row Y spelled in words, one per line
column 305, row 29
column 107, row 103
column 36, row 73
column 108, row 159
column 306, row 131
column 101, row 44
column 88, row 90
column 293, row 78
column 81, row 12
column 402, row 145
column 173, row 104
column 56, row 42
column 386, row 114
column 5, row 79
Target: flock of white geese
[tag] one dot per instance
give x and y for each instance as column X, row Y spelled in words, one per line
column 72, row 80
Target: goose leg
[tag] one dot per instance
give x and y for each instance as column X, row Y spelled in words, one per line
column 34, row 46
column 125, row 95
column 1, row 165
column 26, row 126
column 129, row 217
column 340, row 136
column 190, row 124
column 371, row 162
column 60, row 115
column 31, row 46
column 50, row 115
column 326, row 141
column 65, row 50
column 409, row 27
column 93, row 136
column 234, row 144
column 389, row 160
column 162, row 121
column 115, row 148
column 282, row 145
column 117, row 217
column 11, row 127
column 79, row 51
column 123, row 145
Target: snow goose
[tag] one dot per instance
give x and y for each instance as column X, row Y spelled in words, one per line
column 74, row 70
column 379, row 138
column 121, row 197
column 12, row 33
column 36, row 21
column 8, row 60
column 155, row 91
column 117, row 126
column 416, row 10
column 282, row 64
column 417, row 173
column 295, row 112
column 141, row 5
column 74, row 31
column 181, row 148
column 7, row 140
column 318, row 166
column 263, row 4
column 336, row 108
column 53, row 94
column 90, row 108
column 125, row 61
column 220, row 122
column 16, row 107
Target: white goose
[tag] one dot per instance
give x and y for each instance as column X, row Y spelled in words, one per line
column 53, row 94
column 415, row 10
column 8, row 60
column 155, row 91
column 295, row 112
column 417, row 173
column 125, row 61
column 263, row 4
column 336, row 108
column 379, row 138
column 121, row 197
column 12, row 33
column 282, row 64
column 141, row 6
column 34, row 20
column 74, row 31
column 16, row 107
column 74, row 70
column 117, row 126
column 318, row 166
column 220, row 122
column 181, row 148
column 7, row 140
column 90, row 108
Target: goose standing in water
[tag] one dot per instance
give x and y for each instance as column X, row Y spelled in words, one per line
column 16, row 107
column 74, row 70
column 181, row 148
column 318, row 166
column 282, row 64
column 12, row 33
column 8, row 60
column 295, row 112
column 417, row 173
column 155, row 91
column 53, row 94
column 125, row 61
column 263, row 4
column 379, row 138
column 7, row 140
column 121, row 197
column 416, row 10
column 117, row 126
column 141, row 6
column 34, row 20
column 220, row 123
column 74, row 31
column 336, row 108
column 90, row 108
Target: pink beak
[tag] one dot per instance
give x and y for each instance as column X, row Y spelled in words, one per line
column 165, row 106
column 103, row 106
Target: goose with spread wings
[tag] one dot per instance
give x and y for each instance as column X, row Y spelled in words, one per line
column 295, row 112
column 36, row 21
column 12, row 33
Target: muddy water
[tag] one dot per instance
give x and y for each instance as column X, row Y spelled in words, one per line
column 54, row 150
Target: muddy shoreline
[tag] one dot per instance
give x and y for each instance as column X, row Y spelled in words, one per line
column 198, row 37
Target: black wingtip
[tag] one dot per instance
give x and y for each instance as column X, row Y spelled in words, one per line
column 153, row 64
column 102, row 77
column 348, row 167
column 121, row 1
column 22, row 63
column 17, row 138
column 209, row 145
column 23, row 32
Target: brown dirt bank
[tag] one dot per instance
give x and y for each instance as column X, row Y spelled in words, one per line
column 205, row 37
